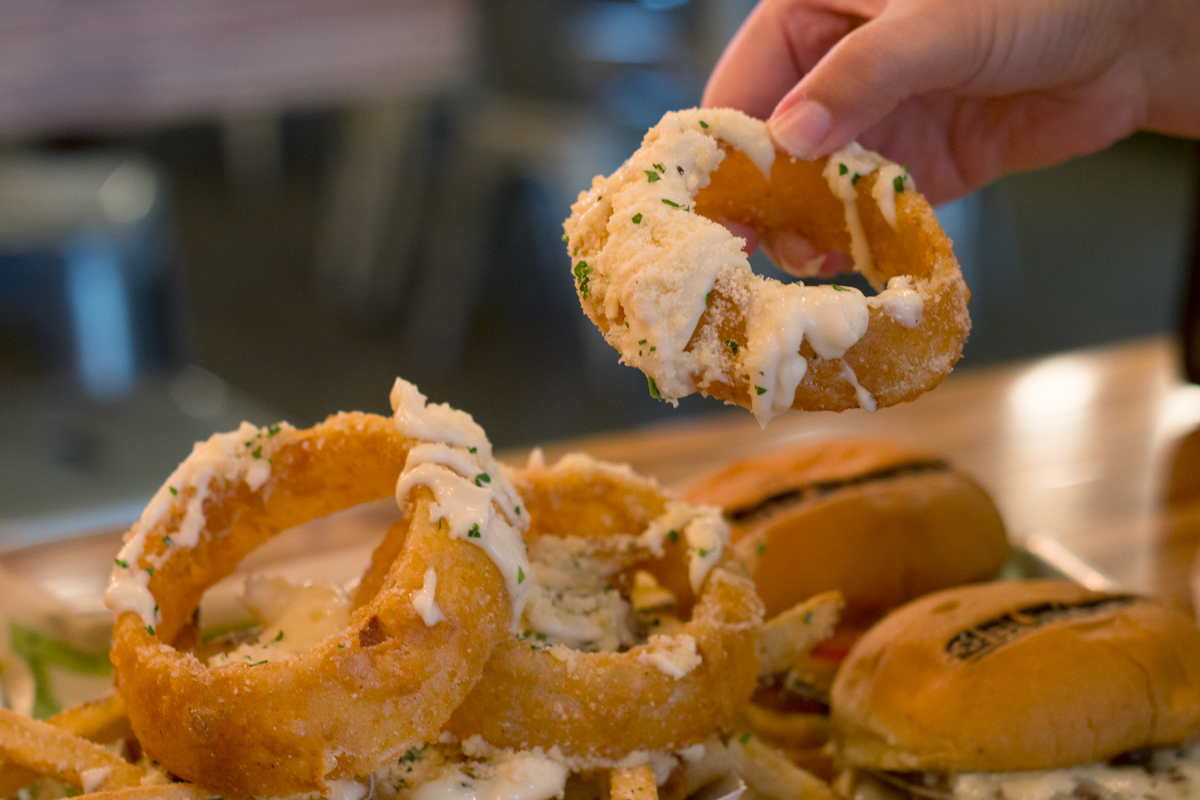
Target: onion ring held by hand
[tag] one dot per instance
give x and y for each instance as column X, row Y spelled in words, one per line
column 603, row 706
column 672, row 291
column 392, row 677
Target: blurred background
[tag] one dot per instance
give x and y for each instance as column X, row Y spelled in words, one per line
column 216, row 210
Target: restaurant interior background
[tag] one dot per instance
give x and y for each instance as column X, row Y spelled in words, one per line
column 212, row 211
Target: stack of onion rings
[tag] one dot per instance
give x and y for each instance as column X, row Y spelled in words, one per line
column 388, row 681
column 672, row 291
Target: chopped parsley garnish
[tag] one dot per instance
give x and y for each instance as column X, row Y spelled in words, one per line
column 653, row 388
column 641, row 341
column 520, row 575
column 474, row 532
column 760, row 549
column 898, row 184
column 273, row 429
column 672, row 535
column 257, row 452
column 837, row 287
column 482, row 478
column 732, row 345
column 842, row 170
column 760, row 390
column 279, row 637
column 854, row 180
column 637, row 218
column 808, row 617
column 745, row 738
column 659, row 167
column 651, row 175
column 172, row 490
column 122, row 563
column 518, row 510
column 257, row 663
column 582, row 271
column 472, row 449
column 566, row 239
column 168, row 541
column 652, row 349
column 671, row 203
column 704, row 551
column 150, row 629
column 680, row 170
column 150, row 571
column 413, row 754
column 703, row 124
column 707, row 297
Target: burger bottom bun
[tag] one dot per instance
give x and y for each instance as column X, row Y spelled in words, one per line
column 1024, row 675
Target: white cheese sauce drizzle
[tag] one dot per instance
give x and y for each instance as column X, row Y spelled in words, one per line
column 423, row 601
column 515, row 776
column 454, row 459
column 242, row 455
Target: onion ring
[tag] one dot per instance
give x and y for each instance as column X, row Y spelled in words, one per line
column 598, row 707
column 386, row 682
column 672, row 291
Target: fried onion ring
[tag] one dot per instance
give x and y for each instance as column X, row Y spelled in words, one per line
column 672, row 291
column 603, row 706
column 387, row 681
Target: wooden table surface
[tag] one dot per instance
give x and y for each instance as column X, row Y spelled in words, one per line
column 1077, row 447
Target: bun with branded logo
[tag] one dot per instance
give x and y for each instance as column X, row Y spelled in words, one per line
column 877, row 520
column 1031, row 689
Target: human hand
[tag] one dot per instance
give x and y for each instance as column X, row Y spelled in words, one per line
column 964, row 91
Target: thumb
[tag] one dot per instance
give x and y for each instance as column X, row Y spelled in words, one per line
column 869, row 72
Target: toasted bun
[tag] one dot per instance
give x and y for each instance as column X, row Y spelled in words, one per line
column 880, row 522
column 1017, row 676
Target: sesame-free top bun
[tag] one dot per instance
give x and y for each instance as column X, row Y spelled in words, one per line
column 877, row 520
column 1025, row 675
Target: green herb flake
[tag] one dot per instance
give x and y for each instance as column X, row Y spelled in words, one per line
column 703, row 124
column 732, row 345
column 744, row 738
column 637, row 218
column 672, row 535
column 520, row 575
column 760, row 549
column 566, row 239
column 168, row 541
column 707, row 298
column 671, row 203
column 808, row 617
column 653, row 388
column 760, row 390
column 122, row 563
column 273, row 430
column 172, row 490
column 652, row 349
column 278, row 637
column 659, row 167
column 582, row 271
column 837, row 287
column 474, row 532
column 472, row 450
column 482, row 478
column 641, row 341
column 704, row 551
column 518, row 510
column 680, row 170
column 150, row 570
column 842, row 170
column 651, row 175
column 150, row 629
column 854, row 180
column 257, row 452
column 898, row 184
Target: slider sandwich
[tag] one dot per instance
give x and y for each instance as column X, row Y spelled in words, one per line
column 1032, row 690
column 878, row 521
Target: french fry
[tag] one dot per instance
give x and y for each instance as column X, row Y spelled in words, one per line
column 101, row 721
column 770, row 774
column 789, row 636
column 634, row 783
column 49, row 750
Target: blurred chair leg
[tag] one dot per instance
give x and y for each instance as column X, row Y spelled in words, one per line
column 374, row 207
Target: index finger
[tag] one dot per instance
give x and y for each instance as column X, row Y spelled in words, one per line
column 776, row 46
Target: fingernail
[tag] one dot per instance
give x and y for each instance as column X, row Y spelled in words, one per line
column 801, row 128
